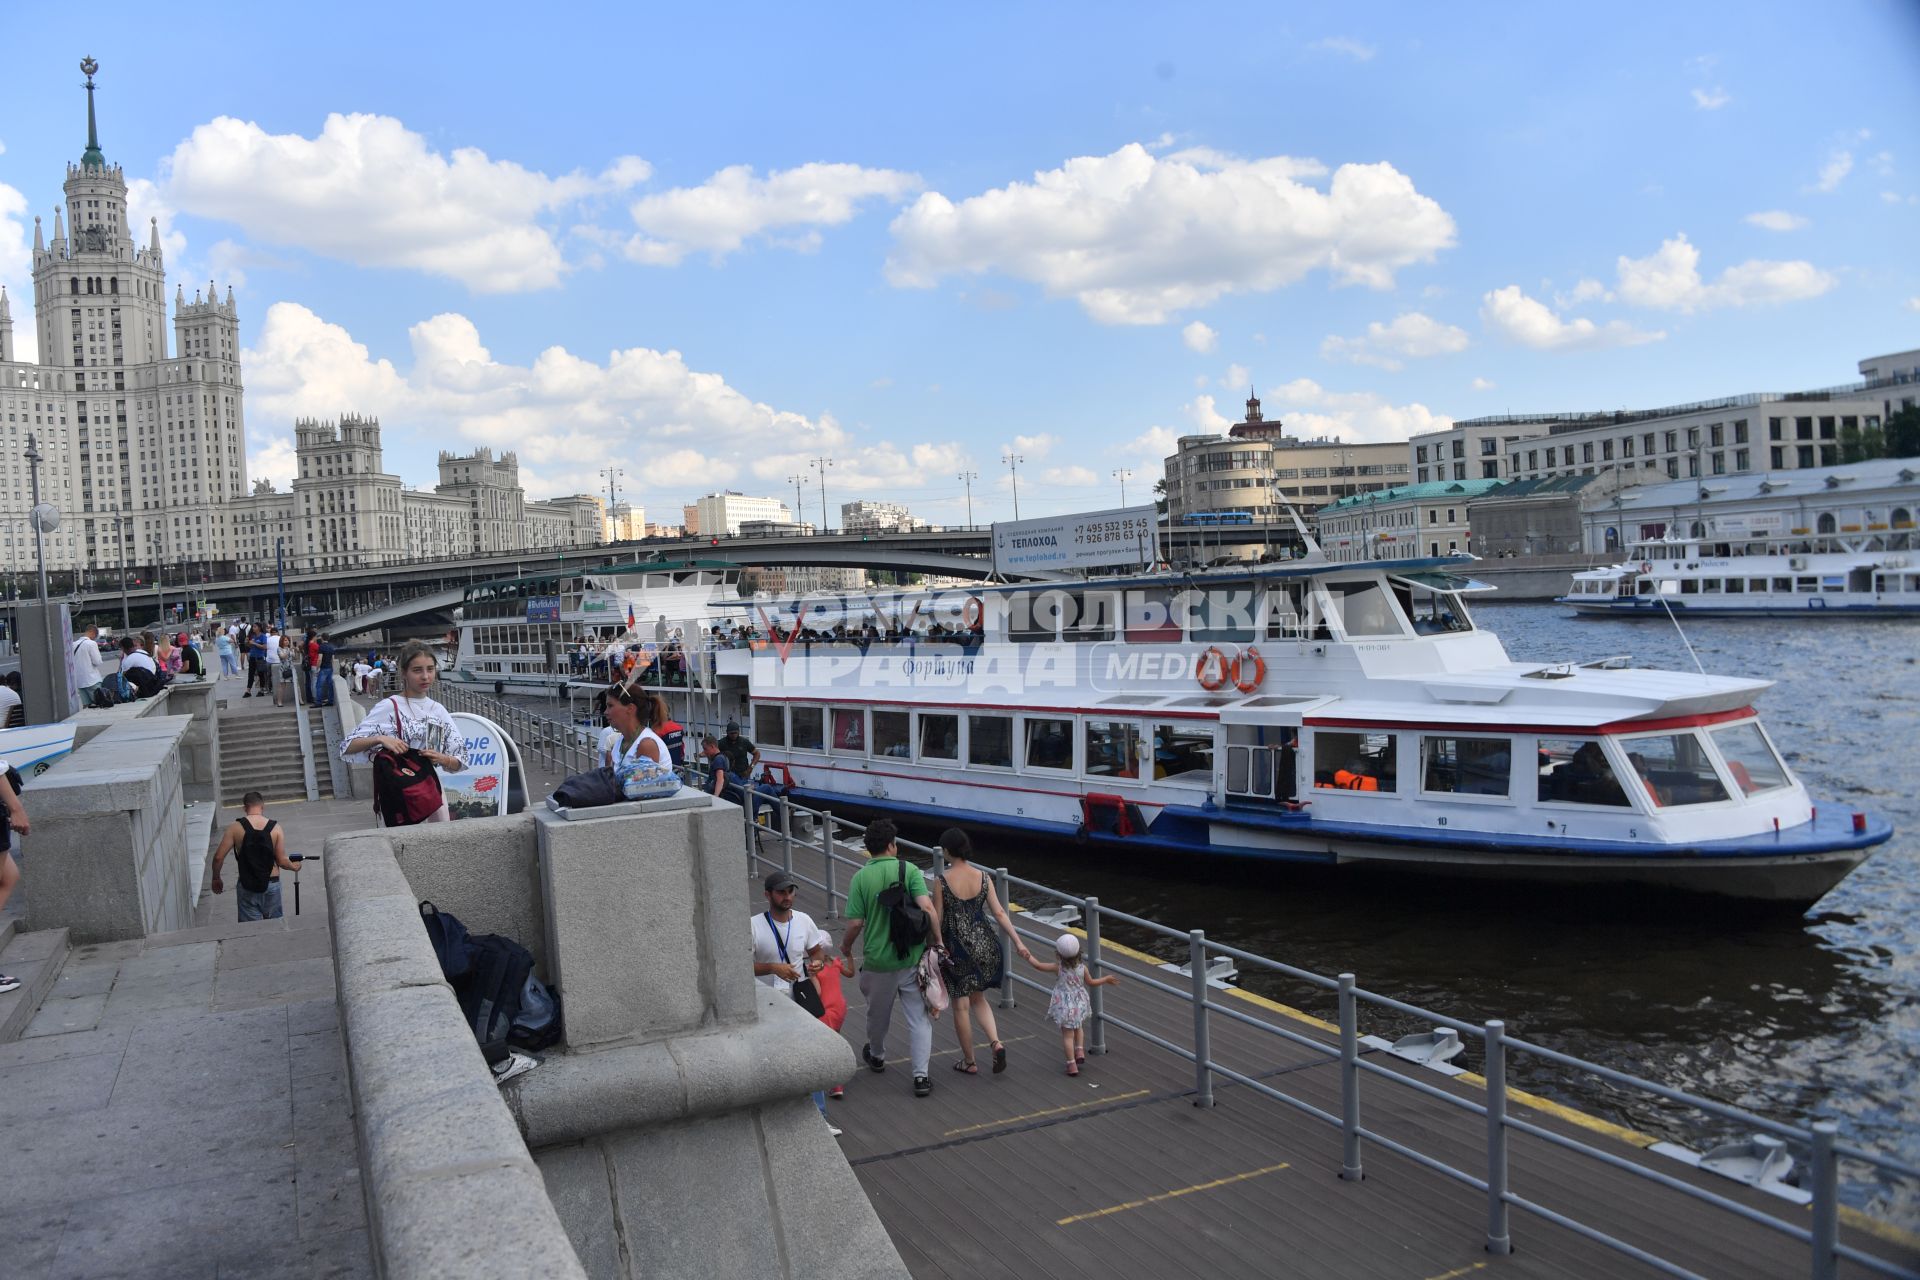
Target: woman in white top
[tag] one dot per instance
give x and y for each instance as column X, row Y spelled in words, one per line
column 411, row 719
column 634, row 716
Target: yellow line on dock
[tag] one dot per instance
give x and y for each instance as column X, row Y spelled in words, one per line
column 1169, row 1195
column 1050, row 1111
column 1458, row 1271
column 1877, row 1229
column 1632, row 1137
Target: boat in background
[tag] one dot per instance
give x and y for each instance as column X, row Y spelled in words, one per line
column 1766, row 577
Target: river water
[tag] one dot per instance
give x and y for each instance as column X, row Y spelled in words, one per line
column 1793, row 1017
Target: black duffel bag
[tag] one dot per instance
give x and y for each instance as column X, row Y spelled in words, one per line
column 589, row 790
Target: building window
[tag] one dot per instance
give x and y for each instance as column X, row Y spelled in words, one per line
column 1741, row 460
column 1672, row 441
column 1626, row 446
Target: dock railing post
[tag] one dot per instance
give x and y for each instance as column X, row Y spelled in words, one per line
column 1499, row 1239
column 825, row 822
column 1826, row 1199
column 1202, row 1046
column 1349, row 1083
column 786, row 834
column 1097, row 1017
column 1006, row 944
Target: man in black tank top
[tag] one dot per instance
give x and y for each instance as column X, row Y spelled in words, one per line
column 260, row 850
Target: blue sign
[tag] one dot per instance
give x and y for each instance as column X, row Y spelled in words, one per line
column 543, row 608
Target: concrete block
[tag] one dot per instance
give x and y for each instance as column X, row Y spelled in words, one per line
column 379, row 944
column 485, row 871
column 464, row 1127
column 491, row 1222
column 59, row 1087
column 63, row 1016
column 580, row 1184
column 827, row 1223
column 694, row 1198
column 404, row 1042
column 361, row 864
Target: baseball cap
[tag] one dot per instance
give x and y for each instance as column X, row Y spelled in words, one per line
column 780, row 880
column 1067, row 946
column 733, row 726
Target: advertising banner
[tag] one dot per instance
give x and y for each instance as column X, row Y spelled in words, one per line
column 481, row 790
column 543, row 608
column 1088, row 540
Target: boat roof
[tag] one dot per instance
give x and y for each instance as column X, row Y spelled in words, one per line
column 611, row 570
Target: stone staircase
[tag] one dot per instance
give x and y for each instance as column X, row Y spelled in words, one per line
column 260, row 752
column 36, row 959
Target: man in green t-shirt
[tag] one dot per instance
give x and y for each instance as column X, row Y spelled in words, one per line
column 888, row 971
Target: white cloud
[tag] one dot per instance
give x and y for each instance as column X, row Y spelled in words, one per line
column 1776, row 220
column 1199, row 337
column 1201, row 413
column 1071, row 477
column 1356, row 417
column 369, row 191
column 731, row 207
column 16, row 266
column 1235, row 377
column 1032, row 448
column 1913, row 303
column 1588, row 290
column 1894, row 197
column 1529, row 322
column 1882, row 162
column 1347, row 45
column 1483, row 384
column 1136, row 237
column 1410, row 336
column 1711, row 99
column 274, row 460
column 1669, row 280
column 1839, row 164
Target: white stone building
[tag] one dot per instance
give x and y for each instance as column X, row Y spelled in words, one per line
column 1393, row 524
column 1874, row 501
column 1478, row 450
column 721, row 514
column 877, row 517
column 626, row 522
column 1255, row 466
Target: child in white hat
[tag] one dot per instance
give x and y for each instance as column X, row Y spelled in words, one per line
column 1070, row 1006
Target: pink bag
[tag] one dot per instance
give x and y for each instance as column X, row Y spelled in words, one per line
column 933, row 987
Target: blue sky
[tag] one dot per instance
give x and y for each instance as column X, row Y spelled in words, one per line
column 708, row 248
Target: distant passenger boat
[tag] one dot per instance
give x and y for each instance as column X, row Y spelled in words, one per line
column 1750, row 578
column 1335, row 714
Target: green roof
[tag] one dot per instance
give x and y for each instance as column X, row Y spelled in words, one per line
column 1416, row 493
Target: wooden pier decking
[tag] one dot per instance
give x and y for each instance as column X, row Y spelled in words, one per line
column 1116, row 1173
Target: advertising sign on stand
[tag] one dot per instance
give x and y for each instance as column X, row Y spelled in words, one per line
column 1088, row 540
column 493, row 767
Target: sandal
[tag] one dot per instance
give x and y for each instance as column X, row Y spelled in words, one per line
column 999, row 1058
column 966, row 1068
column 1073, row 1068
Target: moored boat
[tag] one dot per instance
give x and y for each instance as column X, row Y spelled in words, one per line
column 1825, row 576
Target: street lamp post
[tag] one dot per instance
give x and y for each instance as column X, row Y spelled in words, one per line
column 967, row 478
column 799, row 503
column 821, row 465
column 1122, row 474
column 1013, row 461
column 39, row 539
column 120, row 536
column 612, row 474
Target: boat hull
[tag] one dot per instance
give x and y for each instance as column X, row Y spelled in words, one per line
column 1655, row 607
column 1794, row 868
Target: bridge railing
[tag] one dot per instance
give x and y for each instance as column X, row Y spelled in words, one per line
column 827, row 857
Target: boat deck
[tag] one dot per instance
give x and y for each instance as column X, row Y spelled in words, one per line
column 1116, row 1173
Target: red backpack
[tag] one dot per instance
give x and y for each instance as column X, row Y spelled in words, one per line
column 406, row 790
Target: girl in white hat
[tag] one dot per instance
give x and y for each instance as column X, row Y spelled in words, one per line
column 1069, row 1006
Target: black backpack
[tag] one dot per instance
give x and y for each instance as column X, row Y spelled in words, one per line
column 255, row 856
column 491, row 977
column 145, row 683
column 907, row 923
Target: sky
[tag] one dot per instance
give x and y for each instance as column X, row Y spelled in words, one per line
column 711, row 245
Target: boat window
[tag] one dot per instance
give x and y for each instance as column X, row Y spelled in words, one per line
column 1356, row 761
column 1049, row 743
column 850, row 730
column 1182, row 749
column 1289, row 613
column 1675, row 768
column 1034, row 617
column 1225, row 615
column 1756, row 584
column 770, row 725
column 1689, row 586
column 892, row 733
column 809, row 729
column 1093, row 616
column 1750, row 757
column 1436, row 613
column 1150, row 618
column 1113, row 749
column 1363, row 609
column 1577, row 771
column 990, row 741
column 1466, row 766
column 1783, row 585
column 1710, row 586
column 939, row 736
column 1736, row 586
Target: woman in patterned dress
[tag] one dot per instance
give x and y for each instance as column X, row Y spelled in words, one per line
column 963, row 897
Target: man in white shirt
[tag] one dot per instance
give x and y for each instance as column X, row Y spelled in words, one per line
column 273, row 646
column 86, row 662
column 789, row 946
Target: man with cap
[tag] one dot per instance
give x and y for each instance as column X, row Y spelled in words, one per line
column 787, row 947
column 742, row 756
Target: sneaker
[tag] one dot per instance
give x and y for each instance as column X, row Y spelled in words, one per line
column 8, row 984
column 515, row 1064
column 922, row 1086
column 874, row 1064
column 246, row 695
column 835, row 1132
column 837, row 1092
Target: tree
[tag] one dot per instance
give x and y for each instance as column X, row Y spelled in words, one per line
column 1902, row 434
column 1160, row 496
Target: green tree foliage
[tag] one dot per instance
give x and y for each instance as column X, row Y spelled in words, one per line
column 1902, row 434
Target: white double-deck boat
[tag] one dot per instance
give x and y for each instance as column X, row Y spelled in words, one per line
column 1827, row 575
column 522, row 635
column 1312, row 713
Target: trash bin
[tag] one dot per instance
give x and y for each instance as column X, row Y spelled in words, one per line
column 282, row 685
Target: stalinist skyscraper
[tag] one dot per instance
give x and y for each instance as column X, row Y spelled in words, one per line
column 143, row 450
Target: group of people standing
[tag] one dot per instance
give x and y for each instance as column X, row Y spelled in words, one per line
column 962, row 911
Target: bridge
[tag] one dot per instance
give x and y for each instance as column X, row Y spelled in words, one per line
column 376, row 595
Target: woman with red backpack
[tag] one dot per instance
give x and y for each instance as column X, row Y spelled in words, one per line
column 406, row 738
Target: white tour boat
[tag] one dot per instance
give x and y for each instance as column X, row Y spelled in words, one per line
column 521, row 635
column 1339, row 714
column 1824, row 575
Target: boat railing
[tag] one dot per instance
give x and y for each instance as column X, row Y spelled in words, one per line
column 826, row 857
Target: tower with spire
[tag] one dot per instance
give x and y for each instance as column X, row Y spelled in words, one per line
column 131, row 429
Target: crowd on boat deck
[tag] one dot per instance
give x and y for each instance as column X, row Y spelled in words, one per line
column 621, row 653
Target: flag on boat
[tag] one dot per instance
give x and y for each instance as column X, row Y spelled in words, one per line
column 630, row 620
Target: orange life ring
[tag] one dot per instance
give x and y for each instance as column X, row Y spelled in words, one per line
column 1646, row 566
column 1216, row 675
column 972, row 613
column 1242, row 681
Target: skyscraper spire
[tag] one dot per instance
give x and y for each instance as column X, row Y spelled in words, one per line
column 91, row 157
column 6, row 311
column 39, row 241
column 153, row 237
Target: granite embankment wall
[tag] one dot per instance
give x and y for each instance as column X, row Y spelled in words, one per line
column 655, row 1140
